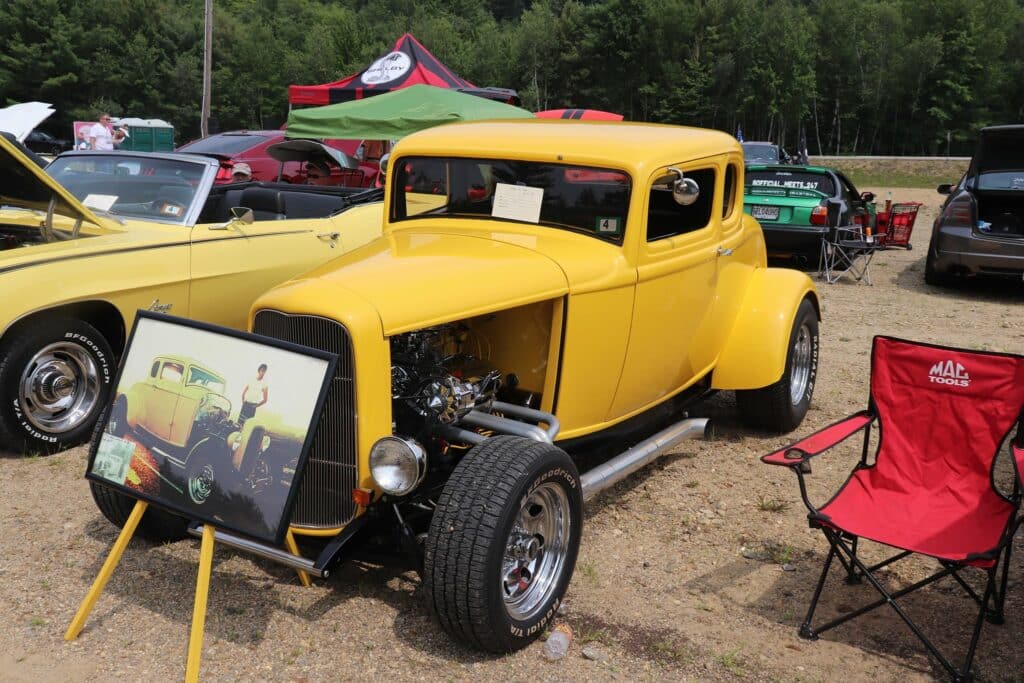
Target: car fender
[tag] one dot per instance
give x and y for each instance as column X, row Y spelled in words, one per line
column 754, row 354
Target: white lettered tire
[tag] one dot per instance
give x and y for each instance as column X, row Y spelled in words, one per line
column 503, row 543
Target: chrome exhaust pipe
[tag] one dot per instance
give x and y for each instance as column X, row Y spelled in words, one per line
column 265, row 551
column 644, row 453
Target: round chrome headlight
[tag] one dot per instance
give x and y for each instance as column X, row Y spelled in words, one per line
column 397, row 465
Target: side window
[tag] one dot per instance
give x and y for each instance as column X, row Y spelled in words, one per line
column 851, row 194
column 666, row 218
column 172, row 372
column 729, row 191
column 156, row 366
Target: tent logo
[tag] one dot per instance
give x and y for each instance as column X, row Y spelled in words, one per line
column 390, row 67
column 948, row 372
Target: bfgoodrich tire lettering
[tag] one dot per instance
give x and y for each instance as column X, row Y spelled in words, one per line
column 55, row 379
column 782, row 406
column 479, row 520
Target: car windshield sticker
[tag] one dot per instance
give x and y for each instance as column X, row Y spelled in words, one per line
column 103, row 202
column 517, row 202
column 112, row 458
column 170, row 210
column 607, row 226
column 772, row 182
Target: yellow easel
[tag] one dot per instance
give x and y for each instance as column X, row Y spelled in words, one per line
column 195, row 641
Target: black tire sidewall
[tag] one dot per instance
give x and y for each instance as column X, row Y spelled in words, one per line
column 561, row 471
column 19, row 349
column 804, row 314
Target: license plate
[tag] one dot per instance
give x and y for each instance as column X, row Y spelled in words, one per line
column 768, row 213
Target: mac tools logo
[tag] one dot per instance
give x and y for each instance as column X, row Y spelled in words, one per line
column 948, row 372
column 388, row 68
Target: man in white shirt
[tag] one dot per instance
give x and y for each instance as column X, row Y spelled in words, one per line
column 254, row 395
column 100, row 136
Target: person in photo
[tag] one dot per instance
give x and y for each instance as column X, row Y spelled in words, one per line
column 254, row 395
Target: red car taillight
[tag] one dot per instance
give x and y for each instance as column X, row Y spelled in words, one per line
column 224, row 172
column 819, row 216
column 959, row 212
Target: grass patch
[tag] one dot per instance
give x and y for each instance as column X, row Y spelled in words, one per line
column 922, row 173
column 782, row 554
column 734, row 662
column 587, row 569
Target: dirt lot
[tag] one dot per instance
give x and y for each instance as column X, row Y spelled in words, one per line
column 680, row 574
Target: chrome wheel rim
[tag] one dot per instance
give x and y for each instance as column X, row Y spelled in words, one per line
column 800, row 370
column 200, row 484
column 59, row 388
column 536, row 551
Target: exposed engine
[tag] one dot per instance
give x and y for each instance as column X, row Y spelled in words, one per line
column 434, row 381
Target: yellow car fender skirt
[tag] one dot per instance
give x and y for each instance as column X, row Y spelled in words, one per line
column 754, row 355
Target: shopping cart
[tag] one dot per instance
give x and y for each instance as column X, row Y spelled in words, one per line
column 896, row 224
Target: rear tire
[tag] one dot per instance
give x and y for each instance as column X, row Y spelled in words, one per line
column 932, row 276
column 781, row 407
column 503, row 543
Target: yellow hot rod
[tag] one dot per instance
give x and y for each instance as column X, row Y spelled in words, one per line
column 541, row 289
column 99, row 235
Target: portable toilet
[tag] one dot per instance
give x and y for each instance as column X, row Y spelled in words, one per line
column 146, row 135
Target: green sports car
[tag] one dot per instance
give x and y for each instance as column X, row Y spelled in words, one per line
column 790, row 203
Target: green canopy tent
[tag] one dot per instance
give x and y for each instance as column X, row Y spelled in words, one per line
column 396, row 114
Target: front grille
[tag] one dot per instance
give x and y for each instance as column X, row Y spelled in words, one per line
column 325, row 495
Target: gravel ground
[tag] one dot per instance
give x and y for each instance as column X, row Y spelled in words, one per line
column 680, row 574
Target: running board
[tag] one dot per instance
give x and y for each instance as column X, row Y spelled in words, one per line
column 639, row 456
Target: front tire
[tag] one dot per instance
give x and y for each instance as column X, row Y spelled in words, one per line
column 206, row 470
column 503, row 543
column 55, row 379
column 781, row 407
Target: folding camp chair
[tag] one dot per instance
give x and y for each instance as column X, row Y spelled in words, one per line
column 845, row 249
column 943, row 415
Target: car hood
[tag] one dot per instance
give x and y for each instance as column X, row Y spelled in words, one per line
column 418, row 278
column 27, row 186
column 21, row 119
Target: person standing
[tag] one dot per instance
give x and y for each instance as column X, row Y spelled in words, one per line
column 254, row 395
column 101, row 137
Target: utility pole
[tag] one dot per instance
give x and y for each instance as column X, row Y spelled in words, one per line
column 204, row 116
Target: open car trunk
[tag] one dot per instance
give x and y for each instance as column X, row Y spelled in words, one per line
column 1001, row 213
column 997, row 170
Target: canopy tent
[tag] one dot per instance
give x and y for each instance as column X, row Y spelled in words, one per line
column 408, row 63
column 575, row 114
column 395, row 115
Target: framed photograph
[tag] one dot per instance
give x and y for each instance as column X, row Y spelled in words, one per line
column 212, row 424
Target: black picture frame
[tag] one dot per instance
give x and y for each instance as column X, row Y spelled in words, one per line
column 182, row 504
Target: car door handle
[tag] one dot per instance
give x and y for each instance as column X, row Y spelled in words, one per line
column 331, row 237
column 722, row 251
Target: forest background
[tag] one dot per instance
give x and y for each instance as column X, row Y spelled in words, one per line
column 861, row 76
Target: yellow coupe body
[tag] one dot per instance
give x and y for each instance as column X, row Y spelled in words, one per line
column 98, row 236
column 596, row 331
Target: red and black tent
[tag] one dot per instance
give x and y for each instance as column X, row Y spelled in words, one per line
column 408, row 63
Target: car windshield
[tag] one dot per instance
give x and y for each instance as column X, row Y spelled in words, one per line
column 592, row 201
column 227, row 144
column 762, row 153
column 153, row 188
column 205, row 379
column 790, row 183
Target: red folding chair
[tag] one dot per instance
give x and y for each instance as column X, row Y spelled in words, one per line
column 943, row 415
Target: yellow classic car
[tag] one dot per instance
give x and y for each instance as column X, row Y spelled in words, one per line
column 99, row 235
column 541, row 290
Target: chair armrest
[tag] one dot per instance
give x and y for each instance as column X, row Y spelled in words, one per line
column 803, row 450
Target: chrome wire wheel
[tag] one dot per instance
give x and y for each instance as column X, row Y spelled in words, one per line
column 536, row 551
column 60, row 387
column 800, row 369
column 200, row 484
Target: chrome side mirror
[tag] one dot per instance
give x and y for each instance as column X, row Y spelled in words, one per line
column 384, row 159
column 239, row 215
column 243, row 215
column 685, row 191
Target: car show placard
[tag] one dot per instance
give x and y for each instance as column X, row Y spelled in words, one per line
column 212, row 424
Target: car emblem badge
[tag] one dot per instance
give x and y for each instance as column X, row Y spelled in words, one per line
column 158, row 307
